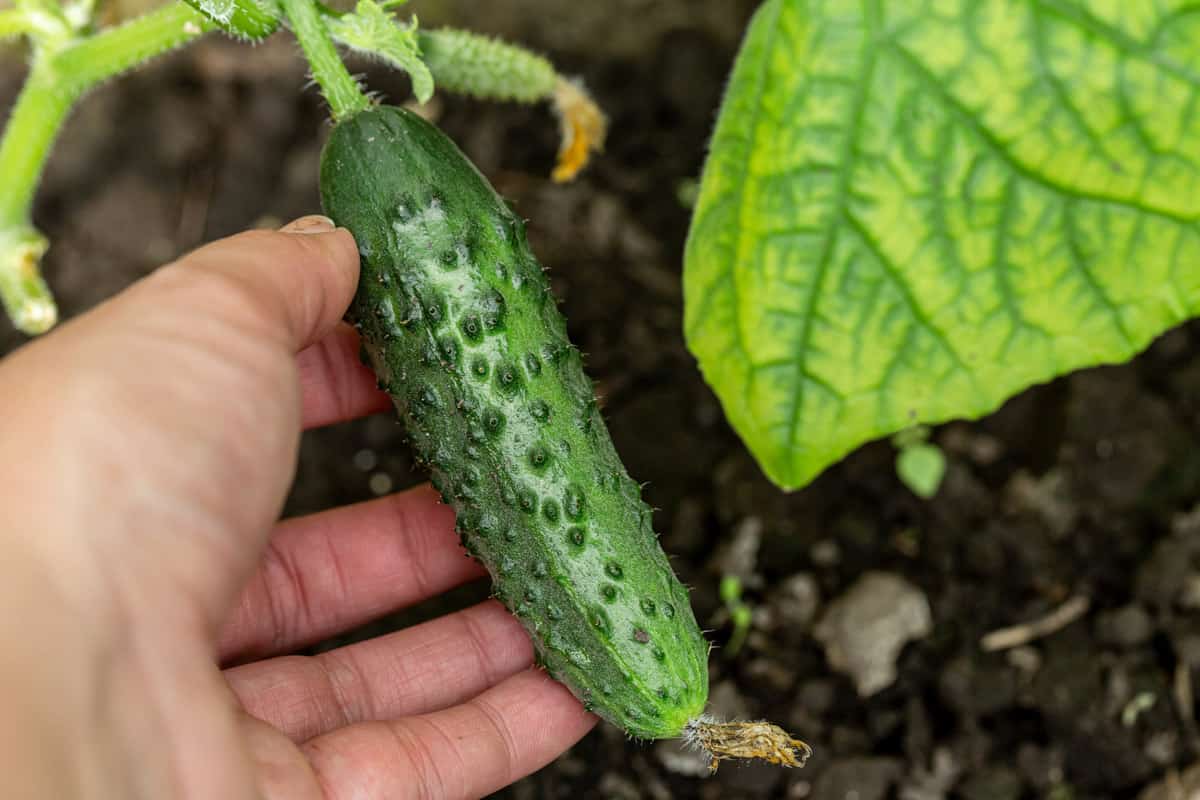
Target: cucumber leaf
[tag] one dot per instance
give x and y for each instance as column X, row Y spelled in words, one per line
column 371, row 30
column 921, row 467
column 912, row 211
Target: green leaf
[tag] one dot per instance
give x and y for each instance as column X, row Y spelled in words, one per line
column 730, row 589
column 921, row 467
column 372, row 31
column 912, row 211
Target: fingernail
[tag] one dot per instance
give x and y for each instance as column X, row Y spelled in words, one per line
column 313, row 223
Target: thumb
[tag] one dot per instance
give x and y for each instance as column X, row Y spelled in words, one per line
column 181, row 393
column 293, row 285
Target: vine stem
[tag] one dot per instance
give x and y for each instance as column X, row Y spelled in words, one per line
column 62, row 70
column 110, row 52
column 342, row 92
column 41, row 108
column 14, row 23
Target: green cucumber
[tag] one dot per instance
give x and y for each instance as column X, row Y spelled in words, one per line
column 459, row 323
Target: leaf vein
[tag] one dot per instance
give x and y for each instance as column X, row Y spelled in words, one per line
column 893, row 273
column 990, row 140
column 858, row 109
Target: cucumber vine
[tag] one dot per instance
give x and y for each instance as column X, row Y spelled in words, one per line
column 345, row 96
column 66, row 60
column 69, row 54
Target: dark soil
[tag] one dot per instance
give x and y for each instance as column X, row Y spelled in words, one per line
column 1083, row 488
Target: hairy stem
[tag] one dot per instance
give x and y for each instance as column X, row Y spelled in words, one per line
column 487, row 68
column 61, row 72
column 59, row 77
column 32, row 127
column 344, row 95
column 14, row 23
column 22, row 291
column 110, row 52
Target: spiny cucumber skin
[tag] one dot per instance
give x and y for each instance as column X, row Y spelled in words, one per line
column 244, row 19
column 459, row 323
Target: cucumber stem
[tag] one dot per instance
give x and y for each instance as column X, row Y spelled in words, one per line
column 746, row 740
column 14, row 23
column 33, row 125
column 23, row 292
column 342, row 92
column 96, row 58
column 58, row 77
column 63, row 69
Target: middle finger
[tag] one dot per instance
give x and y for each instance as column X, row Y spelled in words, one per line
column 331, row 571
column 424, row 668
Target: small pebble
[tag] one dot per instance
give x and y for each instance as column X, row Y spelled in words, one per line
column 799, row 790
column 826, row 553
column 365, row 460
column 1162, row 748
column 1027, row 659
column 1047, row 497
column 795, row 602
column 1126, row 627
column 864, row 630
column 380, row 483
column 681, row 760
column 986, row 450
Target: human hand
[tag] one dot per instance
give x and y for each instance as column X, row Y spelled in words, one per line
column 146, row 448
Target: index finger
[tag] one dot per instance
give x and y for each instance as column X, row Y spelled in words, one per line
column 335, row 385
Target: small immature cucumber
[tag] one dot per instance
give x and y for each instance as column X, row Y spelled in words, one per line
column 460, row 325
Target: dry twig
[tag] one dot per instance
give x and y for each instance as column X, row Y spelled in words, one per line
column 1026, row 632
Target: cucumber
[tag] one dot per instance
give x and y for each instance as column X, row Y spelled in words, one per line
column 459, row 323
